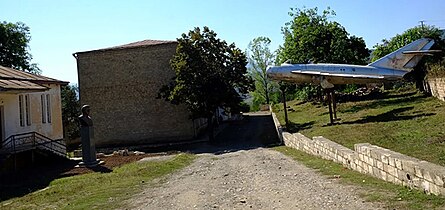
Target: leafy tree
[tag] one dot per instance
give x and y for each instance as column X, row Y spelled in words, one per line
column 405, row 38
column 209, row 74
column 437, row 69
column 410, row 35
column 14, row 39
column 70, row 111
column 310, row 37
column 260, row 57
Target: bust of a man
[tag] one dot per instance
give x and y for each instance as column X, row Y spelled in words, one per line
column 84, row 118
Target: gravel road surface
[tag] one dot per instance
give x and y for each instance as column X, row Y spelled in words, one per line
column 236, row 172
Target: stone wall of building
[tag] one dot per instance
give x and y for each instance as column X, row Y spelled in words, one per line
column 121, row 86
column 373, row 160
column 437, row 86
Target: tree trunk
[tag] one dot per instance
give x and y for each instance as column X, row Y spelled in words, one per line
column 328, row 93
column 320, row 94
column 419, row 85
column 427, row 88
column 419, row 77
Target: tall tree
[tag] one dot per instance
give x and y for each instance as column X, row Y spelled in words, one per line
column 410, row 35
column 311, row 37
column 260, row 57
column 70, row 111
column 14, row 40
column 209, row 74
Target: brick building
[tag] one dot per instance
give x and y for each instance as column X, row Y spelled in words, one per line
column 121, row 85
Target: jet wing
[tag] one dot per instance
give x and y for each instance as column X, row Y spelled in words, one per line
column 338, row 74
column 421, row 52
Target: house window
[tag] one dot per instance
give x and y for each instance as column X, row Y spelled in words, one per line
column 22, row 122
column 45, row 101
column 28, row 117
column 48, row 108
column 24, row 110
column 43, row 104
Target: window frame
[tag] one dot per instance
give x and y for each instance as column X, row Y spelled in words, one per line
column 27, row 110
column 48, row 108
column 21, row 112
column 43, row 104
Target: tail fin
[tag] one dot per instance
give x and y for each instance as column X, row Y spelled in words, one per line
column 407, row 57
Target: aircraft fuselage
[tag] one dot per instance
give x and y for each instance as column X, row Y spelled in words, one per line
column 333, row 73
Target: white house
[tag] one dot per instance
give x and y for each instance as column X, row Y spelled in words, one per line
column 29, row 103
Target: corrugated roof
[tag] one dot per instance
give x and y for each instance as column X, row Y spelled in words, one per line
column 12, row 74
column 11, row 79
column 143, row 43
column 6, row 85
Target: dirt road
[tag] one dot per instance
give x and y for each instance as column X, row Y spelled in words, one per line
column 239, row 174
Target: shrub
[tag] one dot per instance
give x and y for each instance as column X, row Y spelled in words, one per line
column 437, row 69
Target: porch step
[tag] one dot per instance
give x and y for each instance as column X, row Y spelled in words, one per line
column 33, row 141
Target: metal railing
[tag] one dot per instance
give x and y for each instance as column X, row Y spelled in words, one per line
column 30, row 141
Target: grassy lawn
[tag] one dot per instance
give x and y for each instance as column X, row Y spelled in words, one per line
column 98, row 190
column 406, row 122
column 390, row 195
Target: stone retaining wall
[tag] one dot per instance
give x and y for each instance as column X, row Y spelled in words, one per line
column 437, row 86
column 277, row 126
column 373, row 160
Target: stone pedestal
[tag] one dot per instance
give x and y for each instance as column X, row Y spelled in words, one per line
column 88, row 146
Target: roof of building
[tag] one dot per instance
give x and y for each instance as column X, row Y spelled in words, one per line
column 15, row 85
column 12, row 79
column 143, row 43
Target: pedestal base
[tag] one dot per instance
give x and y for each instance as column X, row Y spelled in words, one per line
column 90, row 164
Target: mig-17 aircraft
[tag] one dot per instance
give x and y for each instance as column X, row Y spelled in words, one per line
column 391, row 67
column 388, row 68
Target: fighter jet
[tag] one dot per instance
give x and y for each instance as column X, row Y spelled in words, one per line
column 391, row 67
column 388, row 68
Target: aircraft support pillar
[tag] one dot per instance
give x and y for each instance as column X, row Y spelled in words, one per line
column 283, row 91
column 334, row 104
column 328, row 92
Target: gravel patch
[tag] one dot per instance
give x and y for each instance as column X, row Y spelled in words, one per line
column 249, row 179
column 157, row 158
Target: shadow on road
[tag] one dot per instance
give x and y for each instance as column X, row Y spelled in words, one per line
column 253, row 131
column 31, row 177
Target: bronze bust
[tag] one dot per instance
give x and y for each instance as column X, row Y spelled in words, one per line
column 85, row 119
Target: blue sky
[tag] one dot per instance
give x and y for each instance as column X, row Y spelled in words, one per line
column 60, row 28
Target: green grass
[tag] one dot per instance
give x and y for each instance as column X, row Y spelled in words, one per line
column 390, row 195
column 406, row 122
column 98, row 190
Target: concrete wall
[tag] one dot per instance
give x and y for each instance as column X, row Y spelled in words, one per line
column 437, row 86
column 373, row 160
column 11, row 114
column 121, row 87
